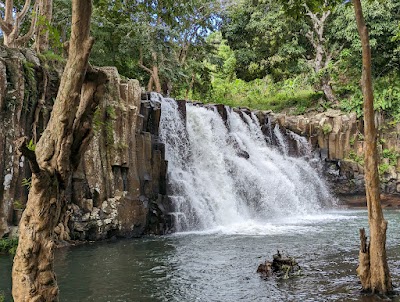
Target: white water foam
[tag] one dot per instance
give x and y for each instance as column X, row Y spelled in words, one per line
column 224, row 177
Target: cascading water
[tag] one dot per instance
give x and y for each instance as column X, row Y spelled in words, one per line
column 224, row 175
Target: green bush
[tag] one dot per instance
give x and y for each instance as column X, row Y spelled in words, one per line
column 8, row 245
column 392, row 155
column 356, row 158
column 386, row 98
column 264, row 94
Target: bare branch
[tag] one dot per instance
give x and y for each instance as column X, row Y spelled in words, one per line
column 25, row 38
column 8, row 14
column 21, row 15
column 141, row 65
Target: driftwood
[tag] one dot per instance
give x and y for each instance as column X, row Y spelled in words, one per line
column 281, row 266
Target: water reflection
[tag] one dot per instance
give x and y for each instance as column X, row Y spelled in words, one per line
column 221, row 267
column 116, row 271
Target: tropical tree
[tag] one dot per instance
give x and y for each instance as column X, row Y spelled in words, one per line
column 373, row 268
column 159, row 42
column 56, row 156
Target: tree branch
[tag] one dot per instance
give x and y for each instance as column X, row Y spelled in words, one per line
column 22, row 40
column 21, row 15
column 141, row 65
column 5, row 27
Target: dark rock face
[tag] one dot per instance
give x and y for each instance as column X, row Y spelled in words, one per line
column 120, row 187
column 25, row 101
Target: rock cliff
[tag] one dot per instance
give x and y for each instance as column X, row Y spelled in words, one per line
column 119, row 188
column 338, row 139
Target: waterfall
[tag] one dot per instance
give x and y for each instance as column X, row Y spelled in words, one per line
column 225, row 173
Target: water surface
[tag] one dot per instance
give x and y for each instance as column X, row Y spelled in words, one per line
column 220, row 264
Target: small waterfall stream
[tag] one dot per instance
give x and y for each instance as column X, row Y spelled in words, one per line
column 224, row 176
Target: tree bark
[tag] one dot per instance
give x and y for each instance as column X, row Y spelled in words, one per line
column 322, row 56
column 153, row 72
column 373, row 268
column 42, row 30
column 11, row 24
column 57, row 155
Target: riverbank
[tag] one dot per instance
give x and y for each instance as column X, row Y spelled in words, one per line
column 360, row 201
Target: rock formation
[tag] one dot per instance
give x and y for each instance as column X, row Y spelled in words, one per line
column 338, row 139
column 120, row 186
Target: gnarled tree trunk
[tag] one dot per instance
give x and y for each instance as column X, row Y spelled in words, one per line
column 373, row 268
column 57, row 155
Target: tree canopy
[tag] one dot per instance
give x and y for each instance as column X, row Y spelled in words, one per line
column 277, row 53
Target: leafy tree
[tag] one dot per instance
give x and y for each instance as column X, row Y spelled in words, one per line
column 265, row 40
column 383, row 19
column 161, row 42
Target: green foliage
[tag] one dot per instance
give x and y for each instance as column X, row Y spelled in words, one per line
column 383, row 168
column 18, row 205
column 31, row 146
column 352, row 141
column 50, row 56
column 356, row 158
column 110, row 113
column 29, row 71
column 2, row 297
column 97, row 120
column 262, row 94
column 354, row 103
column 326, row 129
column 110, row 116
column 168, row 35
column 392, row 155
column 27, row 182
column 265, row 40
column 387, row 96
column 54, row 34
column 8, row 245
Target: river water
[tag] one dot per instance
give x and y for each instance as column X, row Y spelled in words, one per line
column 221, row 265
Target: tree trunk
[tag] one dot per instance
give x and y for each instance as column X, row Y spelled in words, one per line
column 155, row 75
column 42, row 31
column 328, row 91
column 373, row 268
column 57, row 155
column 150, row 84
column 322, row 55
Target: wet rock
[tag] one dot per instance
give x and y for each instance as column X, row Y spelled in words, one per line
column 281, row 266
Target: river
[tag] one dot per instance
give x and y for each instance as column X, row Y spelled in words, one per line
column 220, row 265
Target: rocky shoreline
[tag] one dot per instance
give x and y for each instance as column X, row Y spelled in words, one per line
column 388, row 201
